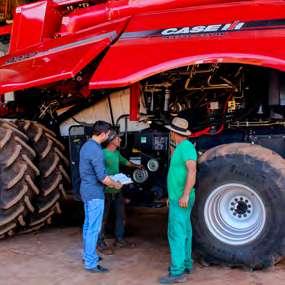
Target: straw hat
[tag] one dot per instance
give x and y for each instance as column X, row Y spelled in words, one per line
column 179, row 126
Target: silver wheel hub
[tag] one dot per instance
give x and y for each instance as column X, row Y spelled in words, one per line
column 235, row 214
column 241, row 207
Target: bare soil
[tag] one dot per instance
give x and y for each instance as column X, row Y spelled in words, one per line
column 53, row 257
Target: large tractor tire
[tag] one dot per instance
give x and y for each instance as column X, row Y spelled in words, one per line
column 17, row 175
column 52, row 177
column 238, row 218
column 59, row 149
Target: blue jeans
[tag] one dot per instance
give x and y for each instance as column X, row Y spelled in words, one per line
column 94, row 210
column 117, row 203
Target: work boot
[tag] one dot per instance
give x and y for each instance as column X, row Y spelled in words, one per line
column 122, row 243
column 169, row 279
column 98, row 269
column 105, row 249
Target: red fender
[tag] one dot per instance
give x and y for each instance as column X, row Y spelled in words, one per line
column 56, row 59
column 245, row 33
column 5, row 30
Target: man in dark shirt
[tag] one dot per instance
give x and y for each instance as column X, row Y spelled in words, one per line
column 93, row 178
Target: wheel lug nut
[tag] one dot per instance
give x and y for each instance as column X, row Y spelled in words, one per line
column 249, row 206
column 239, row 216
column 246, row 201
column 235, row 213
column 236, row 199
column 232, row 209
column 241, row 198
column 232, row 203
column 248, row 211
column 245, row 215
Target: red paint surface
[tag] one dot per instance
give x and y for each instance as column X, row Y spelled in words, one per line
column 5, row 30
column 28, row 26
column 44, row 69
column 41, row 28
column 144, row 57
column 110, row 10
column 134, row 101
column 57, row 59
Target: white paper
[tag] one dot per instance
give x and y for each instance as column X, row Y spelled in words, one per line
column 122, row 178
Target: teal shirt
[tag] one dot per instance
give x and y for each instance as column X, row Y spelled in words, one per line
column 177, row 173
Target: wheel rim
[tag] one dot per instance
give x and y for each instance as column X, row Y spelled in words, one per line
column 235, row 214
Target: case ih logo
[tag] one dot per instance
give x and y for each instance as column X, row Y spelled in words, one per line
column 218, row 28
column 213, row 29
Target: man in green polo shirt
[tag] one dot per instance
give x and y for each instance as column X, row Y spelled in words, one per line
column 180, row 182
column 113, row 197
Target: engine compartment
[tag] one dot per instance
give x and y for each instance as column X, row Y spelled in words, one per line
column 223, row 103
column 149, row 147
column 215, row 97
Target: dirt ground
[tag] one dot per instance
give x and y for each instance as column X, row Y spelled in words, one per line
column 53, row 257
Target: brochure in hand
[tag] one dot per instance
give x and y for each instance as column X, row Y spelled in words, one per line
column 122, row 178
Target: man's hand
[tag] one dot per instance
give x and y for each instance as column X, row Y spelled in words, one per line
column 190, row 182
column 111, row 183
column 118, row 185
column 183, row 201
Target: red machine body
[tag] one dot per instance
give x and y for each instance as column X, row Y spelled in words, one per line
column 138, row 64
column 51, row 41
column 5, row 30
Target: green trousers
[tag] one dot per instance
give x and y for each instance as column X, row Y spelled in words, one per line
column 180, row 236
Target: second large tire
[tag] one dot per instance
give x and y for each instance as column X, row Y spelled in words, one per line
column 17, row 175
column 238, row 218
column 51, row 179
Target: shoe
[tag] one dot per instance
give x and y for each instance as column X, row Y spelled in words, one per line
column 102, row 244
column 98, row 269
column 188, row 271
column 105, row 249
column 122, row 243
column 169, row 279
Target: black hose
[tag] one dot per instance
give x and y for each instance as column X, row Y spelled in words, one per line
column 111, row 111
column 121, row 117
column 81, row 123
column 126, row 116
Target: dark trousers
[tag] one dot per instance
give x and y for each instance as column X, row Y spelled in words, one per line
column 116, row 203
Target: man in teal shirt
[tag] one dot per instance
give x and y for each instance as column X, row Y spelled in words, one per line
column 114, row 198
column 180, row 182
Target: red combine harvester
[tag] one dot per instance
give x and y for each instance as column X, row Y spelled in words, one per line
column 138, row 64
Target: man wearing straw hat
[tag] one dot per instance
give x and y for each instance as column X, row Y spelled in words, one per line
column 180, row 182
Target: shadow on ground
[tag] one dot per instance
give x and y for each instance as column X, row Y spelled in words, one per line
column 53, row 257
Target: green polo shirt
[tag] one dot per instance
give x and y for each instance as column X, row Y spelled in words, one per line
column 177, row 173
column 113, row 160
